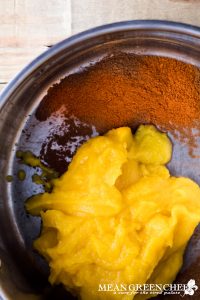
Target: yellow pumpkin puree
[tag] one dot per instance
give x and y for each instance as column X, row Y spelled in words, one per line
column 117, row 216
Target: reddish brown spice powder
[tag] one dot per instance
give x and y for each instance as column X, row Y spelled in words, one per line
column 125, row 89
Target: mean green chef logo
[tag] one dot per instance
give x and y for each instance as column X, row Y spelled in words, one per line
column 191, row 287
column 151, row 289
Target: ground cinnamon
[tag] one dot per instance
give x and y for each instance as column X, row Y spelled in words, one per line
column 124, row 89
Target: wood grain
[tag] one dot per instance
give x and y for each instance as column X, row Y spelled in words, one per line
column 107, row 11
column 26, row 29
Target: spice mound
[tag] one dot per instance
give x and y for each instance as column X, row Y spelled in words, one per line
column 124, row 89
column 117, row 216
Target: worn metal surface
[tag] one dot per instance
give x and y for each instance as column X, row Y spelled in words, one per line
column 27, row 277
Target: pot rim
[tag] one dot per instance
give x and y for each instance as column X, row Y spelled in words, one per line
column 169, row 26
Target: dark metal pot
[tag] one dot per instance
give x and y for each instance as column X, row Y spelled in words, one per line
column 23, row 274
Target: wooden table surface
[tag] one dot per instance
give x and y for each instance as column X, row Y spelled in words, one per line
column 29, row 27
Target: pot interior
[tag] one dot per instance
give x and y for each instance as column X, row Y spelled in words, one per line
column 22, row 130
